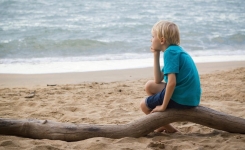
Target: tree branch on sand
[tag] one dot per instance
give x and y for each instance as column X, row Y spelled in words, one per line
column 45, row 129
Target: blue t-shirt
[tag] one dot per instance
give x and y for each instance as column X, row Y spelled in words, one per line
column 188, row 87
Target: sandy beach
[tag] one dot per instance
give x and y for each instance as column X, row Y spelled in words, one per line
column 113, row 97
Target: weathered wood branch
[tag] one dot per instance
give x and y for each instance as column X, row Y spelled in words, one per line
column 43, row 129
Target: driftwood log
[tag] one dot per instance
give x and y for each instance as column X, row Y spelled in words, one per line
column 45, row 129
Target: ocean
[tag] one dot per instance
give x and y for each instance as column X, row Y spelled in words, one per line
column 44, row 36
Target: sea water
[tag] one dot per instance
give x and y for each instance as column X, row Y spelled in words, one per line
column 56, row 36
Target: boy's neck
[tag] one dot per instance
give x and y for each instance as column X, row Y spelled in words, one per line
column 164, row 47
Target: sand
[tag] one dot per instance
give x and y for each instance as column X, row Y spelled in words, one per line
column 113, row 97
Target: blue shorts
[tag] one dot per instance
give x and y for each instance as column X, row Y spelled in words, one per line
column 157, row 99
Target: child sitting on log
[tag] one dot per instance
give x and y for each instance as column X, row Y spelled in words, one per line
column 181, row 88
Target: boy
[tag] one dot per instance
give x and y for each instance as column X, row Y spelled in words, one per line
column 182, row 88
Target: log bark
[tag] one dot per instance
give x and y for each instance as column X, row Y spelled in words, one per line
column 45, row 129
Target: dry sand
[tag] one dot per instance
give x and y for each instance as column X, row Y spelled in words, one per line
column 112, row 97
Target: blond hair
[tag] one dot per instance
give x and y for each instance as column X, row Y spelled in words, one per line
column 167, row 30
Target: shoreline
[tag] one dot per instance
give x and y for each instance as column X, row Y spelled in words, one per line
column 31, row 80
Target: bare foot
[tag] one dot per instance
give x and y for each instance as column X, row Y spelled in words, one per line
column 167, row 129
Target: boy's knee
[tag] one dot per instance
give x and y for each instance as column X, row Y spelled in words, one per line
column 148, row 86
column 142, row 103
column 143, row 107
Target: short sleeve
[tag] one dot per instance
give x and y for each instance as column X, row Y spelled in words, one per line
column 171, row 61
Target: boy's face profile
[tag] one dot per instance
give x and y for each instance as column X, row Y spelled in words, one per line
column 155, row 42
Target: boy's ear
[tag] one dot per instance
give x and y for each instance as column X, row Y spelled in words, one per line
column 163, row 40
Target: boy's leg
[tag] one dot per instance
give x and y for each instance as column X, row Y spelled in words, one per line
column 152, row 88
column 144, row 108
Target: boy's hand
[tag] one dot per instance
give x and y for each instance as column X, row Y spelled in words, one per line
column 158, row 109
column 155, row 50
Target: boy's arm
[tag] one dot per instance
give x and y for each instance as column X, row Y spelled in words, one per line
column 168, row 94
column 158, row 75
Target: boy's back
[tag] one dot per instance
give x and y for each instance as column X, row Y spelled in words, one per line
column 188, row 89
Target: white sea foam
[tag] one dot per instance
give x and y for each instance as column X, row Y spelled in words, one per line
column 86, row 66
